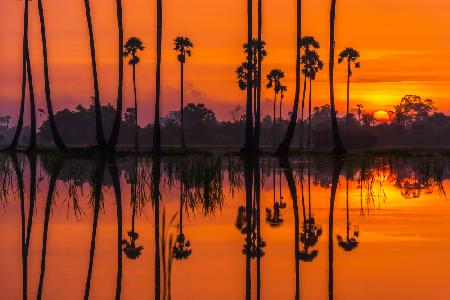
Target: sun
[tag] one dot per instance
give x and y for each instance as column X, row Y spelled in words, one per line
column 381, row 116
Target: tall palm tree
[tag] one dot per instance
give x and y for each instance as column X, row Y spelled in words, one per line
column 15, row 140
column 338, row 147
column 183, row 47
column 350, row 56
column 249, row 141
column 359, row 106
column 260, row 55
column 314, row 65
column 131, row 48
column 118, row 116
column 274, row 81
column 283, row 89
column 156, row 125
column 306, row 42
column 32, row 145
column 99, row 132
column 51, row 117
column 283, row 148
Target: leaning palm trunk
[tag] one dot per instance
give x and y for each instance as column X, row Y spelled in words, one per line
column 32, row 145
column 303, row 111
column 248, row 144
column 118, row 117
column 156, row 126
column 99, row 133
column 136, row 129
column 338, row 147
column 283, row 148
column 15, row 140
column 51, row 117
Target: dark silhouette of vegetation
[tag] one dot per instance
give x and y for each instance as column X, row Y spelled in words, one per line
column 350, row 56
column 183, row 47
column 274, row 81
column 131, row 48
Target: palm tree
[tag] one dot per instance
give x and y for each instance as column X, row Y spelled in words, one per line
column 15, row 140
column 131, row 48
column 182, row 47
column 249, row 141
column 51, row 117
column 99, row 133
column 261, row 53
column 274, row 81
column 313, row 66
column 359, row 106
column 283, row 89
column 351, row 56
column 156, row 125
column 283, row 148
column 118, row 116
column 32, row 145
column 306, row 42
column 338, row 147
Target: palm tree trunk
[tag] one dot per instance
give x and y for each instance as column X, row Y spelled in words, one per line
column 157, row 126
column 309, row 113
column 136, row 130
column 348, row 103
column 258, row 81
column 248, row 144
column 181, row 208
column 303, row 110
column 336, row 173
column 338, row 147
column 257, row 176
column 248, row 173
column 283, row 148
column 118, row 117
column 183, row 142
column 156, row 178
column 15, row 140
column 32, row 145
column 275, row 120
column 348, row 221
column 57, row 138
column 99, row 133
column 48, row 205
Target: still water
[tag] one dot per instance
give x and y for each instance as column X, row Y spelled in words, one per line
column 224, row 228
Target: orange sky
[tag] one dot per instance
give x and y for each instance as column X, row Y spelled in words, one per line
column 404, row 49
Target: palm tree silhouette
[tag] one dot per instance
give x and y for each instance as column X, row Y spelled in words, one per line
column 306, row 42
column 283, row 89
column 183, row 47
column 359, row 106
column 97, row 198
column 350, row 243
column 261, row 53
column 51, row 117
column 313, row 66
column 273, row 218
column 338, row 147
column 157, row 125
column 118, row 116
column 156, row 196
column 283, row 148
column 249, row 139
column 99, row 132
column 351, row 56
column 182, row 248
column 274, row 81
column 131, row 48
column 51, row 191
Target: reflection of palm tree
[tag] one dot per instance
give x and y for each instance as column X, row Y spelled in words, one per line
column 132, row 46
column 274, row 81
column 183, row 47
column 156, row 179
column 51, row 190
column 181, row 249
column 51, row 117
column 97, row 195
column 118, row 195
column 350, row 55
column 260, row 244
column 274, row 217
column 350, row 243
column 99, row 133
column 338, row 147
column 118, row 116
column 335, row 181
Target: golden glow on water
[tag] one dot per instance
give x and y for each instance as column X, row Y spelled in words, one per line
column 403, row 250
